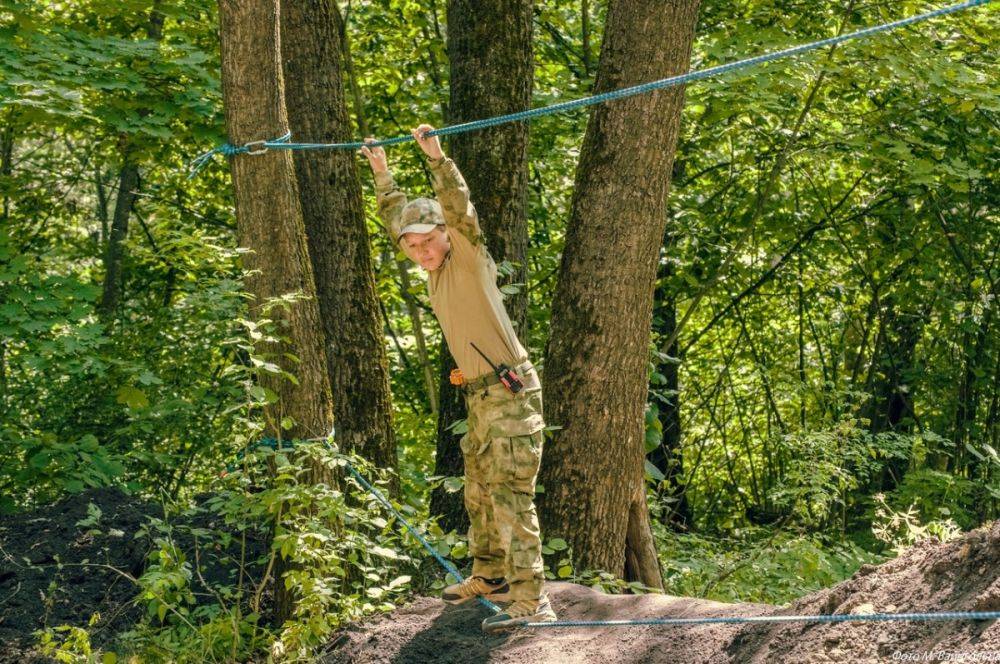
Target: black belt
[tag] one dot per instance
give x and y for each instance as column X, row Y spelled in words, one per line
column 491, row 378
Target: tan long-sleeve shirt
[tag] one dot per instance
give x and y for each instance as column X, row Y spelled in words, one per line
column 463, row 291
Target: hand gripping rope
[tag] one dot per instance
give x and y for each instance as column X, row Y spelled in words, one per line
column 284, row 142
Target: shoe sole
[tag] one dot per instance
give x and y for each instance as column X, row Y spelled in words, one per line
column 517, row 622
column 493, row 597
column 499, row 627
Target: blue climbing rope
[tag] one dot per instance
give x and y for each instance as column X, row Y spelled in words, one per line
column 273, row 443
column 259, row 147
column 845, row 617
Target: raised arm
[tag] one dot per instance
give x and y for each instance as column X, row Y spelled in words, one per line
column 450, row 188
column 389, row 198
column 453, row 194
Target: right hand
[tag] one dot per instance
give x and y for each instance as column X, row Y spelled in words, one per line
column 376, row 156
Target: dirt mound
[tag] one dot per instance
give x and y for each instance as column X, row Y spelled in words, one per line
column 430, row 631
column 36, row 593
column 959, row 576
column 963, row 575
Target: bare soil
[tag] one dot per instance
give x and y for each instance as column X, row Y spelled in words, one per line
column 963, row 575
column 54, row 572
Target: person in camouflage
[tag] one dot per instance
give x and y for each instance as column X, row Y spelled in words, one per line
column 502, row 449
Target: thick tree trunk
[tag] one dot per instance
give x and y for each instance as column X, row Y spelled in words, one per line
column 333, row 213
column 269, row 223
column 489, row 49
column 402, row 268
column 449, row 507
column 597, row 357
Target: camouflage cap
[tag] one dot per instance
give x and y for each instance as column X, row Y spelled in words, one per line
column 420, row 215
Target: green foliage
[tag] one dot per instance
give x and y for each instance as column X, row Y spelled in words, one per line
column 834, row 217
column 825, row 468
column 935, row 495
column 341, row 562
column 901, row 529
column 71, row 644
column 759, row 565
column 560, row 566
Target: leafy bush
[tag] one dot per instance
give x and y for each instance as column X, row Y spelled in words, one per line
column 761, row 566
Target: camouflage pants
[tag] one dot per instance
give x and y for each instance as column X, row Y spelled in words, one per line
column 502, row 451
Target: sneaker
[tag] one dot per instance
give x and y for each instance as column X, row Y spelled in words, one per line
column 519, row 613
column 476, row 586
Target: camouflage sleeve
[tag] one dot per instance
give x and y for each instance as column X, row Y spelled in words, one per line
column 391, row 202
column 453, row 194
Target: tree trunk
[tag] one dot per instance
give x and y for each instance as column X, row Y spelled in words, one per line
column 334, row 217
column 128, row 183
column 402, row 268
column 667, row 456
column 7, row 160
column 449, row 507
column 966, row 435
column 6, row 170
column 269, row 223
column 491, row 74
column 128, row 186
column 598, row 352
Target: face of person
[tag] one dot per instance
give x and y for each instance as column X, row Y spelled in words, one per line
column 428, row 250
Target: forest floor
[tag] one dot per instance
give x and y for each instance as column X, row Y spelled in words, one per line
column 962, row 575
column 56, row 571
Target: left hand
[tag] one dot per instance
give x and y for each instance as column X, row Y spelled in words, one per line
column 430, row 145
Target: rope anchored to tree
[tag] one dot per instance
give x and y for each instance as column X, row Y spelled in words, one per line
column 284, row 142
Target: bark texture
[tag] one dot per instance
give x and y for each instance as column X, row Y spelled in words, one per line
column 333, row 213
column 597, row 358
column 114, row 252
column 490, row 54
column 269, row 223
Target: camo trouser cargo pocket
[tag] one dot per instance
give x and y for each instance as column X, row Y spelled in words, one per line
column 502, row 452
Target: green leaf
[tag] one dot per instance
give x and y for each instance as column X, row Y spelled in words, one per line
column 132, row 397
column 557, row 544
column 974, row 452
column 384, row 552
column 399, row 581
